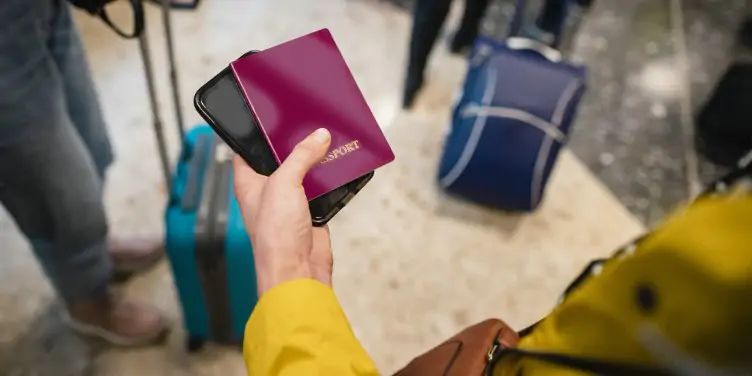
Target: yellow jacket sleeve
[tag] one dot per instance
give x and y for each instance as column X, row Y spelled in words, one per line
column 299, row 328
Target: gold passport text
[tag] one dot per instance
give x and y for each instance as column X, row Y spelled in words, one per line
column 341, row 151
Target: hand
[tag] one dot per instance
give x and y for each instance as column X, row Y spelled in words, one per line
column 275, row 211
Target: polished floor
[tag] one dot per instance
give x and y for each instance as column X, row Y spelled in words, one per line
column 411, row 264
column 650, row 72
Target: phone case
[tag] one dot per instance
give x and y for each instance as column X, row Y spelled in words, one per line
column 323, row 208
column 305, row 84
column 259, row 157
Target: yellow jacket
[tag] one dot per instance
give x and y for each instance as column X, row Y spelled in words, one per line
column 298, row 328
column 680, row 298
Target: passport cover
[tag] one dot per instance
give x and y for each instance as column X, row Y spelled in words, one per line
column 302, row 85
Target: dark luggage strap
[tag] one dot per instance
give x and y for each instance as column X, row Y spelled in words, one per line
column 143, row 43
column 204, row 214
column 211, row 226
column 217, row 286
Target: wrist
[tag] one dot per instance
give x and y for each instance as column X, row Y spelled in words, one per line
column 322, row 274
column 280, row 273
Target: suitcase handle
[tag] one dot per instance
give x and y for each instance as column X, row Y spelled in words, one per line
column 192, row 192
column 518, row 43
column 485, row 47
column 143, row 44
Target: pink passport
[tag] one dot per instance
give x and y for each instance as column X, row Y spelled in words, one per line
column 302, row 85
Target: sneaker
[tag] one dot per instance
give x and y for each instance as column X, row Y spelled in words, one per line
column 118, row 322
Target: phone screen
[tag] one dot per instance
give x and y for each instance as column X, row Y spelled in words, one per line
column 224, row 101
column 223, row 106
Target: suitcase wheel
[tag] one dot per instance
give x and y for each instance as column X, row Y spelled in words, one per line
column 194, row 344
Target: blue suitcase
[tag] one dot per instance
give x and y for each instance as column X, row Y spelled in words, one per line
column 518, row 102
column 207, row 244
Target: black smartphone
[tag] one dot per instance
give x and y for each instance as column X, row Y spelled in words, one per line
column 222, row 105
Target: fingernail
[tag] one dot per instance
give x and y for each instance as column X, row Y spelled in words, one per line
column 321, row 135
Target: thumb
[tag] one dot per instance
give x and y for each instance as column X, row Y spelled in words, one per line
column 306, row 154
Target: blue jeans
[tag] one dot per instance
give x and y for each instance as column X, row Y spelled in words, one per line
column 54, row 148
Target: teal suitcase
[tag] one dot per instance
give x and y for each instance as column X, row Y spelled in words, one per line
column 207, row 244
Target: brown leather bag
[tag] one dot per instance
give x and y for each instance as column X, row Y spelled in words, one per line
column 469, row 353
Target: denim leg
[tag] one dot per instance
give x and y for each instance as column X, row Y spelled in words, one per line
column 80, row 92
column 49, row 181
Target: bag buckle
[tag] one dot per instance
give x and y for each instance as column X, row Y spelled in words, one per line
column 492, row 352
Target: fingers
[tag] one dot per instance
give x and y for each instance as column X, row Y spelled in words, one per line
column 307, row 153
column 248, row 183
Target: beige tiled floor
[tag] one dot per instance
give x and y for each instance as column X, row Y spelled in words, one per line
column 412, row 265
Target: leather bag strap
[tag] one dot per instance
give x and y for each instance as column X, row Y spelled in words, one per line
column 594, row 366
column 138, row 20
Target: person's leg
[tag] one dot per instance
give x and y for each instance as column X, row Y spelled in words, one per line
column 67, row 53
column 551, row 20
column 428, row 18
column 49, row 182
column 470, row 25
column 130, row 254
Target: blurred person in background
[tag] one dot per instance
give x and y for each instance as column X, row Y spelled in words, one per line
column 428, row 19
column 673, row 302
column 54, row 153
column 723, row 126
